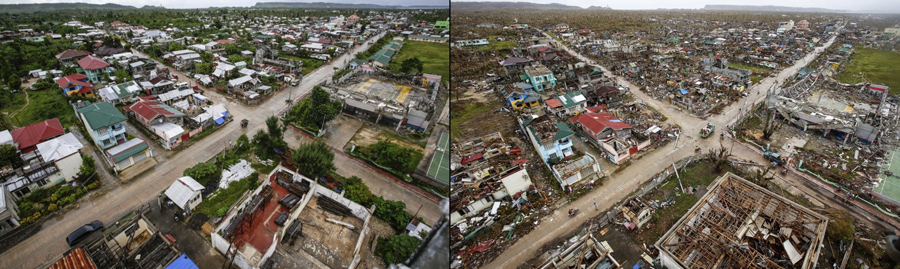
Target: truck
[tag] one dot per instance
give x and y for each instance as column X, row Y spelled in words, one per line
column 708, row 130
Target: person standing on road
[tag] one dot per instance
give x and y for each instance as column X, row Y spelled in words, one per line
column 595, row 207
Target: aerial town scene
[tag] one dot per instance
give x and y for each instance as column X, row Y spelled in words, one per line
column 675, row 134
column 224, row 134
column 354, row 134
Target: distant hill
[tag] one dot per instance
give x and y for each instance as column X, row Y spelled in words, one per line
column 768, row 8
column 507, row 5
column 20, row 8
column 335, row 5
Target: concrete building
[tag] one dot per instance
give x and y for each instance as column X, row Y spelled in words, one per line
column 104, row 124
column 186, row 193
column 9, row 211
column 540, row 77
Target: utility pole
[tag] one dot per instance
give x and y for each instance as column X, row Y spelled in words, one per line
column 676, row 174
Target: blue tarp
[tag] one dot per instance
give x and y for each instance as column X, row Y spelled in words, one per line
column 225, row 114
column 183, row 262
column 220, row 121
column 684, row 91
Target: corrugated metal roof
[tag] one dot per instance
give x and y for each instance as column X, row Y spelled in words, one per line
column 77, row 259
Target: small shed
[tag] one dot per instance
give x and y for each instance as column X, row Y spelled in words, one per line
column 185, row 192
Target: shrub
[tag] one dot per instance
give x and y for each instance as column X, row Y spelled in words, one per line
column 53, row 198
column 80, row 192
column 94, row 186
column 222, row 211
column 52, row 207
column 397, row 248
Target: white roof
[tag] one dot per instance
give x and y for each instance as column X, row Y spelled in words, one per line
column 146, row 84
column 168, row 129
column 125, row 146
column 183, row 104
column 200, row 96
column 239, row 81
column 236, row 172
column 179, row 52
column 5, row 137
column 174, row 94
column 247, row 71
column 59, row 147
column 224, row 66
column 182, row 189
column 211, row 43
column 202, row 117
column 241, row 63
column 218, row 73
column 216, row 111
column 316, row 46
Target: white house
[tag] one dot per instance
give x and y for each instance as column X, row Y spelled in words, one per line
column 186, row 193
column 64, row 152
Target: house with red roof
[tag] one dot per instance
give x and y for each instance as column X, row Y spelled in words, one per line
column 93, row 68
column 162, row 119
column 29, row 136
column 611, row 134
column 70, row 56
column 76, row 84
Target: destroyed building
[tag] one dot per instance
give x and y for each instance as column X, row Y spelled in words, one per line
column 738, row 224
column 587, row 252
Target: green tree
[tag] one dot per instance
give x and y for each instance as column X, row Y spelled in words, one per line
column 235, row 58
column 397, row 248
column 393, row 212
column 204, row 68
column 411, row 64
column 267, row 141
column 174, row 46
column 14, row 82
column 88, row 167
column 393, row 155
column 315, row 110
column 9, row 155
column 203, row 172
column 313, row 159
column 121, row 75
column 357, row 191
column 242, row 143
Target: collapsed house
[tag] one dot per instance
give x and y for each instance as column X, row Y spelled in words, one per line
column 412, row 110
column 738, row 224
column 587, row 252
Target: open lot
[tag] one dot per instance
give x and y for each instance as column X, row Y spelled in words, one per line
column 39, row 106
column 435, row 57
column 384, row 90
column 370, row 134
column 876, row 66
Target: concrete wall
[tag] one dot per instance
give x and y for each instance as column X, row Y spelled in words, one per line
column 69, row 166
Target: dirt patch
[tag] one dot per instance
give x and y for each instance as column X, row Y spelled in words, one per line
column 368, row 135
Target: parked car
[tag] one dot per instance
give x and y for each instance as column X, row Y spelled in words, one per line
column 83, row 232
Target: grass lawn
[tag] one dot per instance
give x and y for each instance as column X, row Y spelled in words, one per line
column 497, row 45
column 459, row 117
column 42, row 105
column 663, row 219
column 756, row 69
column 877, row 66
column 435, row 57
column 224, row 198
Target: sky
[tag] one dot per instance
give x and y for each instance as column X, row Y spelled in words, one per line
column 879, row 5
column 224, row 3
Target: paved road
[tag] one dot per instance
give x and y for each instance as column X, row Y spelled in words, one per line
column 46, row 247
column 621, row 184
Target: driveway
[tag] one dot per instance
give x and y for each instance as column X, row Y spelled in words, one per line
column 50, row 241
column 622, row 184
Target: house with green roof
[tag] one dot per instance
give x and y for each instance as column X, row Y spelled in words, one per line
column 382, row 58
column 550, row 137
column 428, row 38
column 104, row 123
column 441, row 25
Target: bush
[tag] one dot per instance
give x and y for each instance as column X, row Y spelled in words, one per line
column 397, row 248
column 94, row 186
column 52, row 207
column 80, row 192
column 222, row 211
column 394, row 212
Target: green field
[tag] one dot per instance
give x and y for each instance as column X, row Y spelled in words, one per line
column 42, row 105
column 497, row 45
column 435, row 57
column 876, row 66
